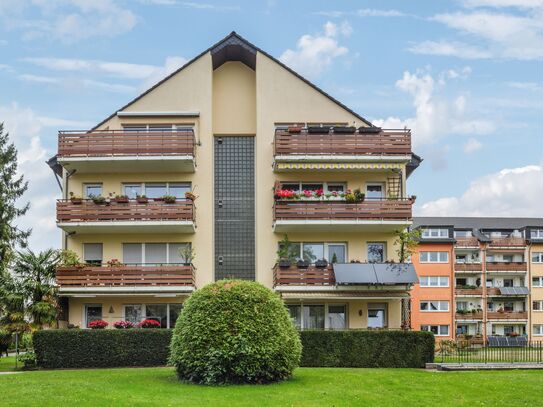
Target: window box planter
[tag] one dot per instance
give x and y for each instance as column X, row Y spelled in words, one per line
column 321, row 264
column 318, row 129
column 99, row 200
column 344, row 129
column 295, row 129
column 302, row 264
column 76, row 201
column 284, row 264
column 142, row 199
column 369, row 130
column 169, row 199
column 121, row 199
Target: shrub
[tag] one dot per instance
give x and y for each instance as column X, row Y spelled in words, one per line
column 234, row 331
column 28, row 360
column 149, row 323
column 98, row 324
column 5, row 341
column 367, row 348
column 123, row 325
column 85, row 348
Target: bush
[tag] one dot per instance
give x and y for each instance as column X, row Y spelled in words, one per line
column 5, row 341
column 123, row 325
column 149, row 323
column 234, row 331
column 98, row 324
column 83, row 348
column 367, row 348
column 28, row 360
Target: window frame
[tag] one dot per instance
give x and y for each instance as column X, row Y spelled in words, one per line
column 439, row 329
column 376, row 184
column 93, row 262
column 439, row 305
column 539, row 305
column 439, row 255
column 439, row 235
column 144, row 311
column 92, row 185
column 439, row 282
column 539, row 256
column 324, row 184
column 537, row 235
column 383, row 244
column 540, row 329
column 143, row 262
column 539, row 282
column 326, row 250
column 143, row 185
column 146, row 127
column 326, row 305
column 86, row 321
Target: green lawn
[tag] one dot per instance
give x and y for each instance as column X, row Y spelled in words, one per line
column 308, row 387
column 7, row 363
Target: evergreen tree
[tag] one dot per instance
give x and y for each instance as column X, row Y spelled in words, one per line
column 12, row 187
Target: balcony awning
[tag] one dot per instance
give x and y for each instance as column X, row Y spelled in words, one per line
column 375, row 273
column 514, row 290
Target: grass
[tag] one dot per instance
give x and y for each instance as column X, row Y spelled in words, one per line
column 489, row 355
column 7, row 364
column 308, row 387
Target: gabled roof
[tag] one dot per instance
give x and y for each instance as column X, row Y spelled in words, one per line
column 234, row 47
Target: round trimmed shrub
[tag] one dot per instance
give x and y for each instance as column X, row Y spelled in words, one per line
column 234, row 331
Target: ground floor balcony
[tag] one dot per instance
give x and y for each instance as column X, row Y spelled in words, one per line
column 125, row 279
column 130, row 216
column 507, row 315
column 384, row 215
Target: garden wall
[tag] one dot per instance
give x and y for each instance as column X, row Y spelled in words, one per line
column 82, row 348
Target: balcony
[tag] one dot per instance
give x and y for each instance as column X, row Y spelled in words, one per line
column 155, row 216
column 334, row 145
column 107, row 151
column 125, row 279
column 508, row 242
column 304, row 277
column 320, row 215
column 467, row 242
column 469, row 316
column 468, row 267
column 468, row 291
column 507, row 267
column 507, row 315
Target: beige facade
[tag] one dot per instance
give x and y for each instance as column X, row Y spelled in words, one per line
column 233, row 99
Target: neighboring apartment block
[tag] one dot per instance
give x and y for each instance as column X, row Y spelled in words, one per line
column 225, row 157
column 479, row 277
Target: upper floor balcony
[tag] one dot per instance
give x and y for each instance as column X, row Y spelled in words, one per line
column 384, row 215
column 471, row 242
column 308, row 148
column 125, row 279
column 127, row 151
column 508, row 242
column 148, row 216
column 507, row 315
column 507, row 267
column 464, row 267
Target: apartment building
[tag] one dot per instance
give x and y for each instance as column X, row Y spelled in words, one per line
column 222, row 159
column 479, row 277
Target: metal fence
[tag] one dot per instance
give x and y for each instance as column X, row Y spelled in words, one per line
column 494, row 351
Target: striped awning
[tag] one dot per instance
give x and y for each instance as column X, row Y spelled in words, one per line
column 345, row 295
column 338, row 166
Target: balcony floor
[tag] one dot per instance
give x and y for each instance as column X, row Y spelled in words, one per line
column 128, row 227
column 331, row 225
column 129, row 164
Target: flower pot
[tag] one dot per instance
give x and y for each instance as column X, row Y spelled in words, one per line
column 369, row 130
column 284, row 264
column 123, row 200
column 142, row 200
column 76, row 201
column 302, row 264
column 321, row 264
column 344, row 129
column 295, row 129
column 318, row 130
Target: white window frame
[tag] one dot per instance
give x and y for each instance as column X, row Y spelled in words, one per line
column 167, row 183
column 324, row 184
column 538, row 256
column 326, row 252
column 384, row 244
column 427, row 328
column 439, row 304
column 85, row 246
column 326, row 314
column 537, row 328
column 435, row 233
column 143, row 262
column 540, row 302
column 468, row 233
column 426, row 281
column 425, row 257
column 536, row 234
column 85, row 319
column 383, row 186
column 144, row 311
column 538, row 282
column 147, row 127
column 92, row 185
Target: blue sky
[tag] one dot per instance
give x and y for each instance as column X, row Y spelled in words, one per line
column 465, row 75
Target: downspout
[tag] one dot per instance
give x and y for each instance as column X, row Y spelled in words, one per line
column 65, row 196
column 483, row 282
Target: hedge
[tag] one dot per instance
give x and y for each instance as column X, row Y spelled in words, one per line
column 367, row 348
column 80, row 348
column 83, row 348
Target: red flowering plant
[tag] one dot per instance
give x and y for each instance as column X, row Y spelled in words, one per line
column 123, row 325
column 98, row 324
column 149, row 323
column 285, row 194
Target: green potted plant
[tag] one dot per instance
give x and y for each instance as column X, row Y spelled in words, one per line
column 321, row 264
column 169, row 199
column 142, row 199
column 188, row 254
column 98, row 199
column 286, row 254
column 76, row 200
column 121, row 199
column 68, row 258
column 190, row 196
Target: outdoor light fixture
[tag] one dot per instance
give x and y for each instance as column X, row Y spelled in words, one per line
column 111, row 310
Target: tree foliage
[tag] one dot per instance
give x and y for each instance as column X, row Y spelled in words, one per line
column 407, row 242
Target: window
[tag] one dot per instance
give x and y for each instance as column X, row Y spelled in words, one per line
column 92, row 253
column 463, row 233
column 438, row 281
column 376, row 252
column 156, row 189
column 490, row 282
column 434, row 306
column 93, row 312
column 375, row 191
column 461, row 305
column 508, row 329
column 536, row 234
column 462, row 329
column 435, row 233
column 166, row 314
column 153, row 254
column 90, row 190
column 508, row 306
column 537, row 305
column 337, row 253
column 538, row 330
column 314, row 186
column 507, row 258
column 537, row 281
column 312, row 316
column 434, row 257
column 156, row 127
column 311, row 252
column 437, row 330
column 508, row 282
column 537, row 257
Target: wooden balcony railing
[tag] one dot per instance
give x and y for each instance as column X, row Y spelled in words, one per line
column 468, row 267
column 88, row 211
column 502, row 266
column 467, row 242
column 507, row 315
column 103, row 143
column 386, row 142
column 469, row 315
column 468, row 291
column 309, row 276
column 124, row 275
column 508, row 242
column 393, row 209
column 493, row 291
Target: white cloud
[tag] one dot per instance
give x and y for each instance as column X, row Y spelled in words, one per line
column 78, row 83
column 472, row 145
column 67, row 20
column 363, row 12
column 532, row 86
column 503, row 3
column 509, row 192
column 193, row 5
column 436, row 116
column 450, row 49
column 27, row 129
column 314, row 54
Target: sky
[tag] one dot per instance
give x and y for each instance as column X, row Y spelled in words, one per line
column 465, row 75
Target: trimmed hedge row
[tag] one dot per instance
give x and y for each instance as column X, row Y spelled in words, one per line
column 82, row 348
column 367, row 348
